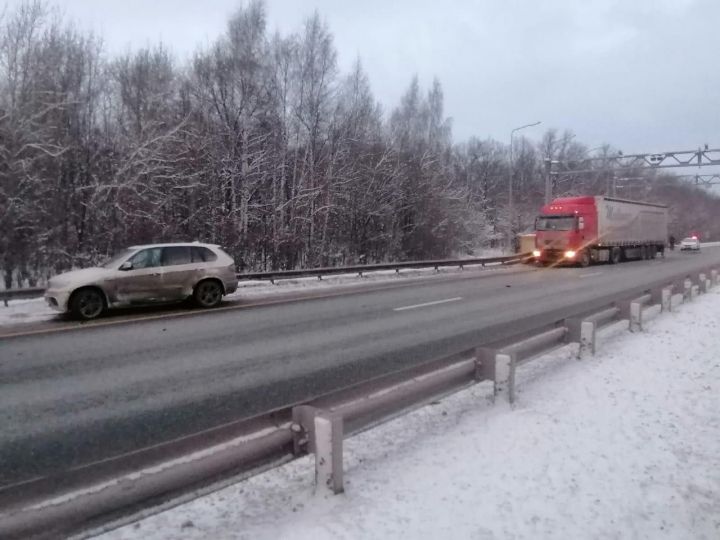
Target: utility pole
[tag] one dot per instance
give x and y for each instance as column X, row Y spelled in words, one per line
column 548, row 180
column 511, row 202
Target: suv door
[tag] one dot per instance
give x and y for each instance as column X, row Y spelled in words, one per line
column 180, row 272
column 143, row 282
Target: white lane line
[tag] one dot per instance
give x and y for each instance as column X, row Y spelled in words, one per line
column 590, row 275
column 426, row 304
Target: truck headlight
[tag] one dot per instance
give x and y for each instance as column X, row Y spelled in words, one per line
column 569, row 254
column 536, row 253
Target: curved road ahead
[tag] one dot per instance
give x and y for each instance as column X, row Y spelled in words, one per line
column 73, row 396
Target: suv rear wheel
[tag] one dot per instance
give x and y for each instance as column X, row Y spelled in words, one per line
column 208, row 293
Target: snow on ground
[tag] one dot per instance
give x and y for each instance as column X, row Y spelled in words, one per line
column 623, row 445
column 484, row 252
column 25, row 311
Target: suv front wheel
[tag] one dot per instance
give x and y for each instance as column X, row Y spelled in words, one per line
column 87, row 304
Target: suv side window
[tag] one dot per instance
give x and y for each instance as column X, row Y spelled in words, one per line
column 202, row 254
column 147, row 258
column 173, row 256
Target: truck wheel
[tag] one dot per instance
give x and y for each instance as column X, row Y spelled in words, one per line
column 584, row 258
column 615, row 255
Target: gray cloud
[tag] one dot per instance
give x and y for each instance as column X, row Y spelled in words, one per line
column 641, row 75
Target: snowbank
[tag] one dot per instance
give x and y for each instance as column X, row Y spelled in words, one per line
column 623, row 445
column 25, row 311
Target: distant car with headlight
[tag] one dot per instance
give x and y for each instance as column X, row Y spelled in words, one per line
column 148, row 274
column 691, row 243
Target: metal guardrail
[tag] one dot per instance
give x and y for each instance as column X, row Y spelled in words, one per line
column 397, row 266
column 78, row 498
column 35, row 292
column 17, row 294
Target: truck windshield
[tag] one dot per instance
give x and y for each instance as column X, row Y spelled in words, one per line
column 555, row 223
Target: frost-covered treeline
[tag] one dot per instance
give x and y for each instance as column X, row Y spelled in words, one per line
column 259, row 144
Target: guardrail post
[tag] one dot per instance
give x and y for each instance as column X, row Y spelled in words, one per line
column 666, row 298
column 702, row 282
column 484, row 364
column 676, row 300
column 714, row 277
column 505, row 375
column 694, row 291
column 303, row 429
column 328, row 438
column 636, row 316
column 624, row 307
column 588, row 333
column 687, row 286
column 573, row 329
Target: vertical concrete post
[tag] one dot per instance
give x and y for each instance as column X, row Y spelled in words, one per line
column 714, row 277
column 666, row 298
column 505, row 375
column 694, row 291
column 328, row 452
column 484, row 364
column 303, row 428
column 687, row 285
column 636, row 316
column 588, row 332
column 702, row 279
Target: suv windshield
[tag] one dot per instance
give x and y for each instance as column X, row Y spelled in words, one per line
column 117, row 259
column 551, row 223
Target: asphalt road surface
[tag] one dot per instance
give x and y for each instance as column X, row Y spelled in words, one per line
column 72, row 396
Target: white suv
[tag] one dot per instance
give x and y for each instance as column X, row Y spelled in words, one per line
column 156, row 273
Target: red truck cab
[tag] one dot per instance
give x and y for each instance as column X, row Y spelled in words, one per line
column 564, row 228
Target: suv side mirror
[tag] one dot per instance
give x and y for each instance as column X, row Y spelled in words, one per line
column 127, row 265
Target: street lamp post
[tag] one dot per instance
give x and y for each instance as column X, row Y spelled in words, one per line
column 511, row 202
column 548, row 179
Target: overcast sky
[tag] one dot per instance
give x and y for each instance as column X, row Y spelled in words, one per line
column 643, row 75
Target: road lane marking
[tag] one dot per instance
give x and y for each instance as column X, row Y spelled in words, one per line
column 426, row 304
column 590, row 275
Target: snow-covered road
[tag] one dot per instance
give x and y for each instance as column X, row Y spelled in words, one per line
column 623, row 445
